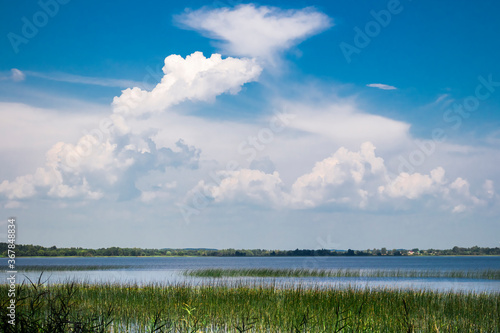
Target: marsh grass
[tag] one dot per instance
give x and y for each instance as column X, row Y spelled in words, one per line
column 232, row 306
column 338, row 273
column 40, row 308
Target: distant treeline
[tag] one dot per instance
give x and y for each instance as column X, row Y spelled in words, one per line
column 37, row 250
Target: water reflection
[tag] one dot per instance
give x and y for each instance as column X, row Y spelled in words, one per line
column 169, row 277
column 169, row 270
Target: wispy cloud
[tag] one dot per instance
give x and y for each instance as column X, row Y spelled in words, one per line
column 97, row 81
column 441, row 98
column 381, row 86
column 15, row 75
column 443, row 101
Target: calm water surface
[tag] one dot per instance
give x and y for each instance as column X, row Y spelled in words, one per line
column 169, row 270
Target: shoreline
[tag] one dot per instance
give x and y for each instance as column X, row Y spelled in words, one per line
column 339, row 256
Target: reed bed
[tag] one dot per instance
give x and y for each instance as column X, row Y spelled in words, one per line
column 237, row 307
column 339, row 273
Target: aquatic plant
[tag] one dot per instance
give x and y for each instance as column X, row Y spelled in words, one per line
column 339, row 273
column 226, row 305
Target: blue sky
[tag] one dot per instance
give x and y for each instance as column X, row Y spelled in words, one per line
column 263, row 133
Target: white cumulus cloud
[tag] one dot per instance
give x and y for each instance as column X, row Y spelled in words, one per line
column 354, row 179
column 114, row 159
column 413, row 186
column 256, row 31
column 50, row 179
column 194, row 78
column 323, row 183
column 246, row 186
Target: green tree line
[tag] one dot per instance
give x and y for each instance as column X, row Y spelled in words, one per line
column 40, row 251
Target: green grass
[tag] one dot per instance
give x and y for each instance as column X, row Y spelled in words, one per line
column 298, row 273
column 236, row 307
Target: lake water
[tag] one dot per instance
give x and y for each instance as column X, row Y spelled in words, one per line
column 167, row 270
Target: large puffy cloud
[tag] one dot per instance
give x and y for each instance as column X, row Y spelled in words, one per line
column 130, row 159
column 245, row 186
column 322, row 183
column 247, row 30
column 454, row 195
column 91, row 167
column 412, row 186
column 51, row 180
column 355, row 179
column 113, row 157
column 194, row 78
column 133, row 150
